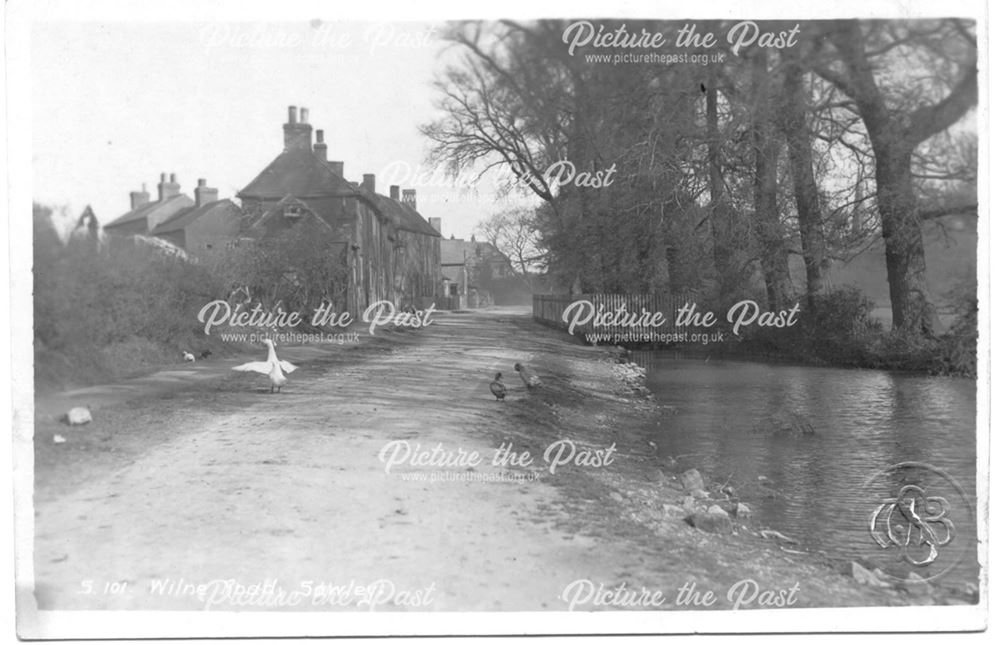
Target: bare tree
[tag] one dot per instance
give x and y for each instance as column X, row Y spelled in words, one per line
column 898, row 119
column 515, row 234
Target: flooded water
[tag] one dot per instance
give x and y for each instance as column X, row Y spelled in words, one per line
column 808, row 448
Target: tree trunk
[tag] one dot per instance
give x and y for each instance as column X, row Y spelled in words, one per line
column 721, row 216
column 767, row 219
column 794, row 126
column 904, row 243
column 894, row 136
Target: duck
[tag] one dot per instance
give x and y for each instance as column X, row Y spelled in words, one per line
column 78, row 416
column 529, row 377
column 497, row 387
column 188, row 357
column 205, row 354
column 273, row 368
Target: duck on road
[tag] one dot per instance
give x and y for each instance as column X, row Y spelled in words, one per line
column 529, row 377
column 497, row 387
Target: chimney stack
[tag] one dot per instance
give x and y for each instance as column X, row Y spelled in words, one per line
column 410, row 197
column 337, row 167
column 319, row 148
column 139, row 198
column 394, row 192
column 167, row 189
column 205, row 195
column 298, row 132
column 436, row 223
column 368, row 182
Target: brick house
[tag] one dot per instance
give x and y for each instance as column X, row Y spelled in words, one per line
column 145, row 215
column 201, row 227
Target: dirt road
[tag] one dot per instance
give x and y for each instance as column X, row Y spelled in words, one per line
column 187, row 498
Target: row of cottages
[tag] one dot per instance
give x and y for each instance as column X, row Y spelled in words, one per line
column 391, row 252
column 202, row 226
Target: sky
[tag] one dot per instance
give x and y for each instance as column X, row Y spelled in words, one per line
column 118, row 99
column 115, row 104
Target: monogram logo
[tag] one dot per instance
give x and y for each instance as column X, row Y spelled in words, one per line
column 925, row 524
column 914, row 523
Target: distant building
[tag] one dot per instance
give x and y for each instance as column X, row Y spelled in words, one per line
column 474, row 273
column 391, row 251
column 200, row 227
column 86, row 227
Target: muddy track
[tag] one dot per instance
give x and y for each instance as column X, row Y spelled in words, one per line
column 222, row 481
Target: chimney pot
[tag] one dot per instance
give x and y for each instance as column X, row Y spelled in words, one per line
column 205, row 195
column 368, row 182
column 394, row 192
column 138, row 198
column 410, row 197
column 167, row 189
column 319, row 136
column 303, row 115
column 298, row 136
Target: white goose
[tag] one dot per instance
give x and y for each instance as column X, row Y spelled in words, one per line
column 272, row 367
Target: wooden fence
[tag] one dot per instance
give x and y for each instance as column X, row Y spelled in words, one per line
column 549, row 309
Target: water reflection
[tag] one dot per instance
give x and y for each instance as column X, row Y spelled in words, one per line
column 809, row 485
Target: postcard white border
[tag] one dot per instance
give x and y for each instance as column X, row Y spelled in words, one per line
column 19, row 14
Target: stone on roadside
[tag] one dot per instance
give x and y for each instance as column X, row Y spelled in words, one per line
column 689, row 504
column 714, row 520
column 674, row 512
column 692, row 481
column 78, row 416
column 617, row 497
column 865, row 577
column 659, row 476
column 742, row 511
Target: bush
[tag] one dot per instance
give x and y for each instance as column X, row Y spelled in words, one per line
column 297, row 269
column 839, row 330
column 109, row 309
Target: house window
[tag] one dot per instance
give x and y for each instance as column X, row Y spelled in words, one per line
column 293, row 211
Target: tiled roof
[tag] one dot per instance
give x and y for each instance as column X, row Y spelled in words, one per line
column 145, row 210
column 402, row 215
column 183, row 217
column 279, row 209
column 297, row 172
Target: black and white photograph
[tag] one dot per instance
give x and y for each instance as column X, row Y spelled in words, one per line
column 566, row 319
